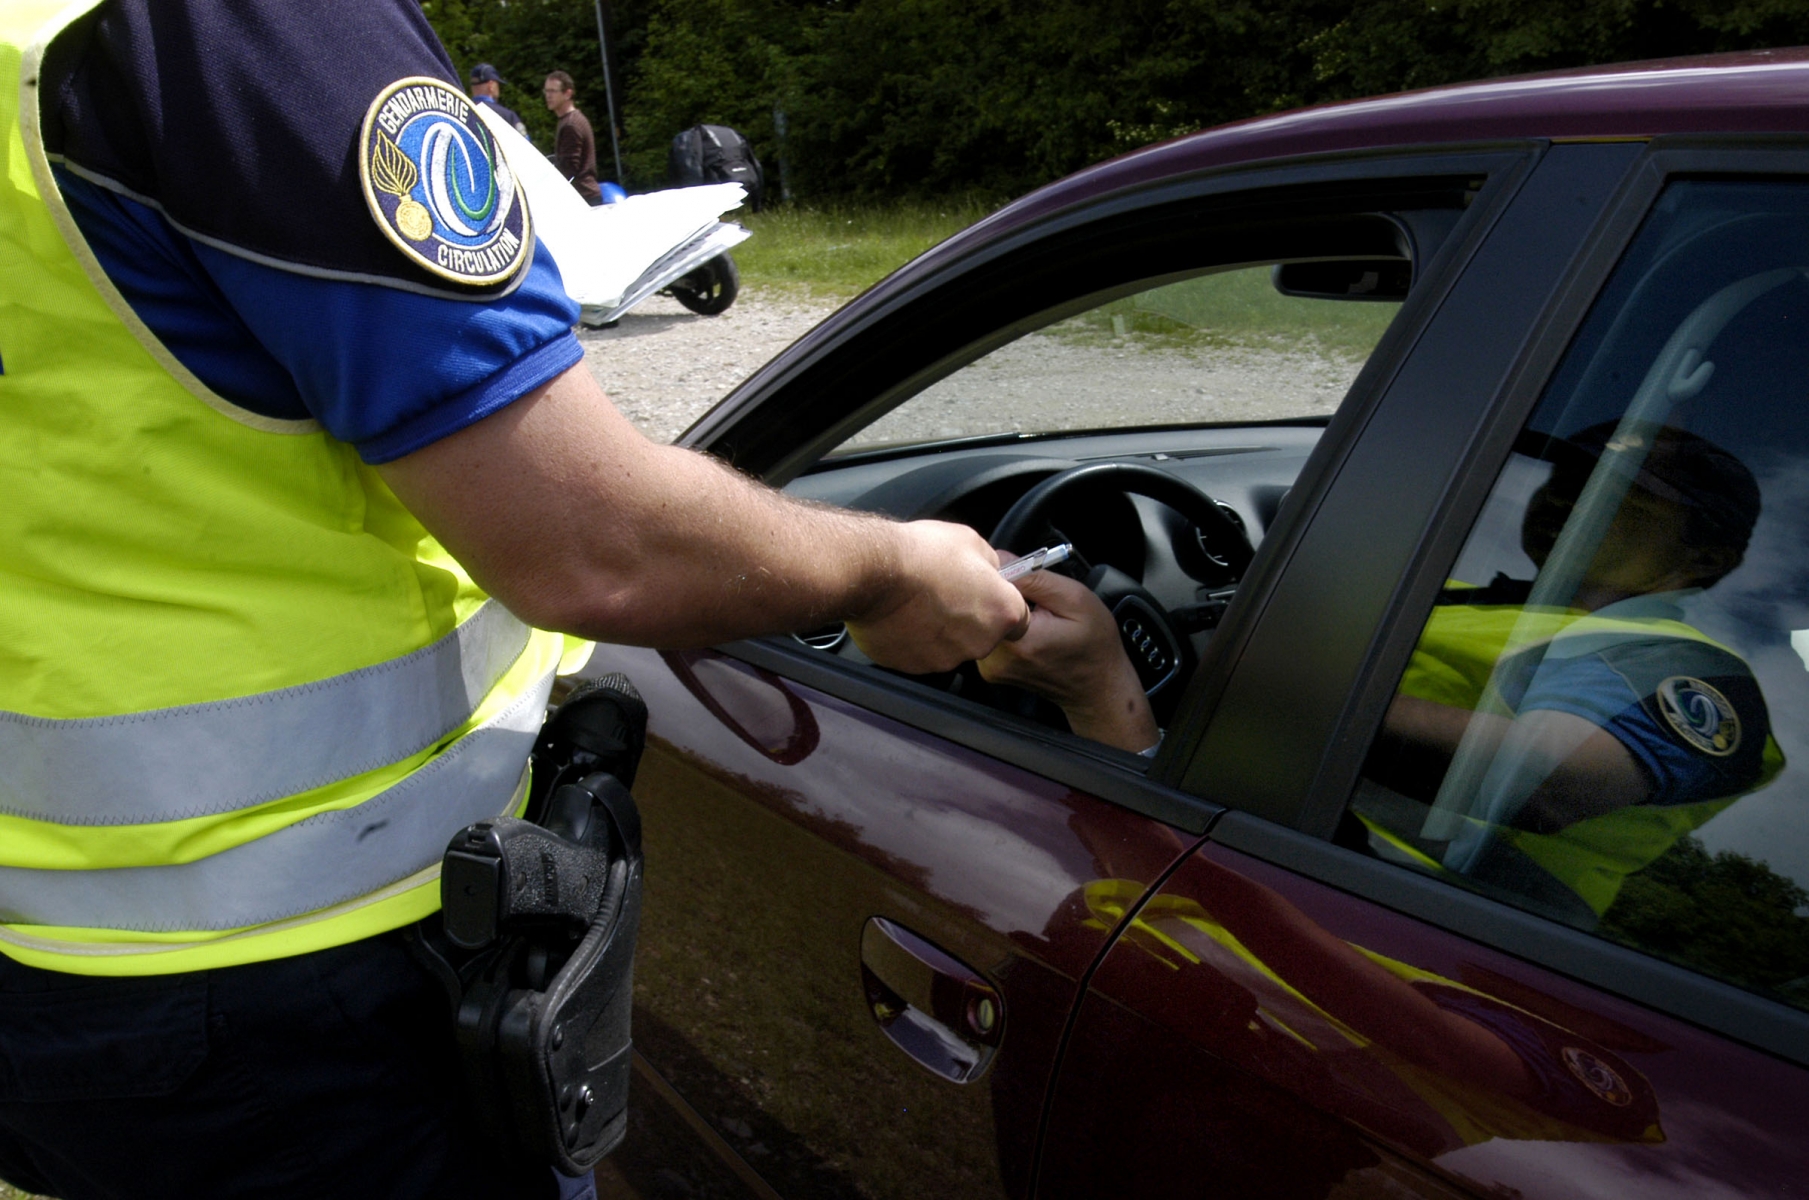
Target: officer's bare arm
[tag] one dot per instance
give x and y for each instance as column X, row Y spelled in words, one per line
column 1583, row 770
column 562, row 510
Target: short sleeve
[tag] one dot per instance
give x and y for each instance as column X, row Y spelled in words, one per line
column 209, row 153
column 240, row 122
column 1623, row 689
column 392, row 371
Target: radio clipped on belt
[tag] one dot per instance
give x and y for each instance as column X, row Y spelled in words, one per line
column 541, row 914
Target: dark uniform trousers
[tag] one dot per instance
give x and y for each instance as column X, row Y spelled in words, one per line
column 329, row 1076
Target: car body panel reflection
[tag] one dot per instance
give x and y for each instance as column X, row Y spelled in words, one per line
column 1346, row 1047
column 762, row 874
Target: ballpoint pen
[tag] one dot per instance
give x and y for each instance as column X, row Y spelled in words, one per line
column 1036, row 560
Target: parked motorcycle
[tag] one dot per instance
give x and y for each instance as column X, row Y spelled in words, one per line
column 613, row 256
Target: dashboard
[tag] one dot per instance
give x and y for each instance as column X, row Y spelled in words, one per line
column 1245, row 470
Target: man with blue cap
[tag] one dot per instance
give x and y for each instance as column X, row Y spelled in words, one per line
column 486, row 88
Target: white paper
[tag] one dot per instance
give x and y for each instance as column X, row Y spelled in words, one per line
column 601, row 251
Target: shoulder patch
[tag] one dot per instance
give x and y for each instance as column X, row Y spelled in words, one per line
column 1700, row 715
column 438, row 186
column 1598, row 1077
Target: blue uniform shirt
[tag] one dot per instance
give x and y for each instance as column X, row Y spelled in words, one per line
column 1625, row 682
column 220, row 192
column 505, row 112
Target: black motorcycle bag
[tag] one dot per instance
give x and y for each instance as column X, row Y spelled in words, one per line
column 536, row 944
column 716, row 154
column 684, row 159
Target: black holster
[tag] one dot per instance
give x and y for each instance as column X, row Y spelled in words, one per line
column 535, row 941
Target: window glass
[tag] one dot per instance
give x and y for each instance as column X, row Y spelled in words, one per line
column 1224, row 347
column 1171, row 371
column 1603, row 720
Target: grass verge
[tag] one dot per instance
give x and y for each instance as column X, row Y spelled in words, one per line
column 835, row 253
column 1235, row 308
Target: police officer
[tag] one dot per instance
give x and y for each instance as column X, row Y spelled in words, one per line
column 1614, row 726
column 1626, row 727
column 486, row 88
column 300, row 461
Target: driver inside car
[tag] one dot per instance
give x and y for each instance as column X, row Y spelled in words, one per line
column 1071, row 656
column 1610, row 727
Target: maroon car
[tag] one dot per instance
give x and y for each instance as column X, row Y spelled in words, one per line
column 1443, row 461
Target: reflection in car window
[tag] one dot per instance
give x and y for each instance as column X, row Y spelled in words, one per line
column 1603, row 719
column 1224, row 347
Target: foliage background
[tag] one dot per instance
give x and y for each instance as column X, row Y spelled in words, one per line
column 988, row 98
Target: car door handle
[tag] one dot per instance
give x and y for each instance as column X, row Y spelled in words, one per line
column 934, row 1007
column 752, row 703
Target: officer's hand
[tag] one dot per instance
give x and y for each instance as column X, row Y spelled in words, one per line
column 946, row 604
column 1071, row 655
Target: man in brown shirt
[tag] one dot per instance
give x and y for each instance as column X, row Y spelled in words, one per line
column 574, row 145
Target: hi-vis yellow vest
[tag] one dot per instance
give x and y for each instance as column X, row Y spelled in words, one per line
column 1453, row 665
column 245, row 698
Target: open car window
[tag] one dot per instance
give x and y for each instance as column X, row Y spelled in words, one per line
column 1223, row 347
column 1603, row 719
column 1155, row 426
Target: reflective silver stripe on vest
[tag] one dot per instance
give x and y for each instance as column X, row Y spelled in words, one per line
column 200, row 759
column 325, row 860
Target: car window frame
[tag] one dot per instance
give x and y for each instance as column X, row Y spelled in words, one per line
column 786, row 417
column 1296, row 835
column 1128, row 780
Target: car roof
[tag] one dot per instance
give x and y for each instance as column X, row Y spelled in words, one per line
column 1754, row 92
column 1763, row 91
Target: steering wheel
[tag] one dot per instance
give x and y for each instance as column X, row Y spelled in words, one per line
column 1146, row 630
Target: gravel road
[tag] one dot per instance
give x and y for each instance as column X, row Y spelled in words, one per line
column 1043, row 383
column 664, row 367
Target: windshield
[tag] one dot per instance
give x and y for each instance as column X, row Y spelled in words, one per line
column 1219, row 348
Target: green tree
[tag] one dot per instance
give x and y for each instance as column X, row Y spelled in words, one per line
column 525, row 39
column 927, row 97
column 721, row 62
column 1392, row 45
column 1725, row 915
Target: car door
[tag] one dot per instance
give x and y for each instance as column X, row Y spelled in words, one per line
column 1368, row 983
column 871, row 901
